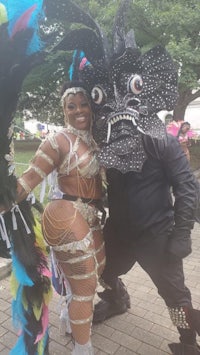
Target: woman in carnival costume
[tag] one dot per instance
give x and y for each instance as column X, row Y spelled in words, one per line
column 70, row 222
column 70, row 225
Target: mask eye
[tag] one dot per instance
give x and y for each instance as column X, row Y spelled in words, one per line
column 98, row 95
column 135, row 84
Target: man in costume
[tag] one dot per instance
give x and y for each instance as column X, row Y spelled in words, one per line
column 143, row 164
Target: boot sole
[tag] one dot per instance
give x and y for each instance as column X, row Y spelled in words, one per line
column 180, row 349
column 108, row 313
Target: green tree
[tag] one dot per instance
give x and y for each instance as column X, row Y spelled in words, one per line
column 173, row 23
column 41, row 89
column 176, row 25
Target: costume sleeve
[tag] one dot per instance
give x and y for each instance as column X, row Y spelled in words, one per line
column 182, row 181
column 183, row 184
column 44, row 162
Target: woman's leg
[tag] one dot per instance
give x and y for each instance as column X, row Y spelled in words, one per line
column 82, row 277
column 75, row 252
column 99, row 248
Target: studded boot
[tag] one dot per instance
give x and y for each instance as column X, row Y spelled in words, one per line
column 187, row 321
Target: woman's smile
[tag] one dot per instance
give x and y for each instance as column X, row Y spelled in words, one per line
column 78, row 111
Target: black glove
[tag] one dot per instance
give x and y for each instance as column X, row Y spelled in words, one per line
column 180, row 244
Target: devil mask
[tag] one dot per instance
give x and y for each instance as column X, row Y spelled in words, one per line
column 127, row 87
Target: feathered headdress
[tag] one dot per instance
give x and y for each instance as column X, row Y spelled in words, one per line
column 20, row 50
column 127, row 87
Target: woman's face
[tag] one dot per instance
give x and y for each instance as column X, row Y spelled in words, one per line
column 77, row 111
column 185, row 128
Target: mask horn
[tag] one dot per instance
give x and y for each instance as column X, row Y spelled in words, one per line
column 130, row 41
column 119, row 37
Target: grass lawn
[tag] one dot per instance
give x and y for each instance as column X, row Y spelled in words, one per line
column 23, row 155
column 22, row 160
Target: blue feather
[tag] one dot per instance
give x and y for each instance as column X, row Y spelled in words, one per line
column 15, row 9
column 20, row 272
column 71, row 68
column 78, row 56
column 18, row 318
column 19, row 347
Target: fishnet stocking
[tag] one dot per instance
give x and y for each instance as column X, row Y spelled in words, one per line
column 81, row 268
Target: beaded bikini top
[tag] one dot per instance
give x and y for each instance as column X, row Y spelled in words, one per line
column 86, row 163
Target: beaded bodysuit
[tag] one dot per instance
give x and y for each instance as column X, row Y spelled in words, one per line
column 70, row 226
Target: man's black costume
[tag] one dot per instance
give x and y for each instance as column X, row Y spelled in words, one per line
column 143, row 166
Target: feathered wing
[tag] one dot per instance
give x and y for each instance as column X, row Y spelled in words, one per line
column 30, row 282
column 160, row 74
column 90, row 39
column 70, row 12
column 86, row 40
column 15, row 63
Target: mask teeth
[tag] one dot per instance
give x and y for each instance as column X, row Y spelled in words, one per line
column 140, row 130
column 133, row 120
column 121, row 118
column 109, row 132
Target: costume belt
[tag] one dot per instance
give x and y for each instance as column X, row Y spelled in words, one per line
column 96, row 202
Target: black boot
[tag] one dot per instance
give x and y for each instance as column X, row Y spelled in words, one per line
column 184, row 349
column 114, row 301
column 193, row 316
column 188, row 344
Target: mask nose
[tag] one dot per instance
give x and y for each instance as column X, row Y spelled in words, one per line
column 119, row 104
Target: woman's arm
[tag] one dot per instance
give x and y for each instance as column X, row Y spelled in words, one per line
column 46, row 159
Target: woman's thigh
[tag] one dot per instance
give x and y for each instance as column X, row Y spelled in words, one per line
column 99, row 247
column 62, row 223
column 69, row 234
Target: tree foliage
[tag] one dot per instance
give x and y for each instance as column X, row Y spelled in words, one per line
column 173, row 23
column 40, row 98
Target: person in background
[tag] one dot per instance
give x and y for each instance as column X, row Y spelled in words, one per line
column 70, row 222
column 173, row 127
column 184, row 138
column 21, row 133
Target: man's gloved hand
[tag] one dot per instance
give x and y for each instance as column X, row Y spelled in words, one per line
column 180, row 244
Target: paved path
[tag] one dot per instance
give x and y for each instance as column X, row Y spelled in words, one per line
column 145, row 329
